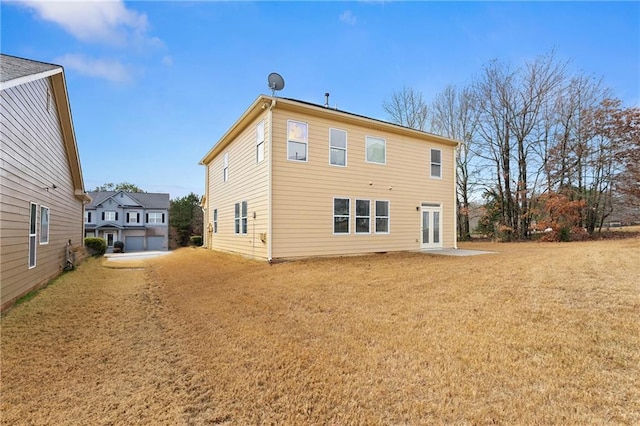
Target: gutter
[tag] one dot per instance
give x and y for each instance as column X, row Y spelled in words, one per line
column 270, row 184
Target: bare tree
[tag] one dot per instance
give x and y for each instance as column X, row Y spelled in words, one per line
column 454, row 115
column 511, row 106
column 407, row 108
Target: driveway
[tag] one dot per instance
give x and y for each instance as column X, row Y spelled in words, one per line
column 136, row 255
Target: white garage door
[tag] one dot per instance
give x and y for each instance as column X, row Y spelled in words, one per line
column 133, row 244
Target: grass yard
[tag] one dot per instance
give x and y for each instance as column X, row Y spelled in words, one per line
column 537, row 333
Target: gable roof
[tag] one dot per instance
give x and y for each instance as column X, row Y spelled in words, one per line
column 15, row 71
column 146, row 200
column 264, row 101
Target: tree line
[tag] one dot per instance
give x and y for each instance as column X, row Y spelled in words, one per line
column 532, row 136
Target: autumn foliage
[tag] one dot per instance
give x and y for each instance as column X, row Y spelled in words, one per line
column 559, row 218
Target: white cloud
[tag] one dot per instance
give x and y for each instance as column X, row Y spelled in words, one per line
column 348, row 18
column 101, row 21
column 167, row 60
column 108, row 69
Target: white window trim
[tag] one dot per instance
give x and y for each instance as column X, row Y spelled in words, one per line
column 155, row 221
column 375, row 217
column 346, row 147
column 237, row 213
column 133, row 213
column 42, row 243
column 333, row 216
column 366, row 138
column 215, row 221
column 244, row 221
column 260, row 141
column 432, row 163
column 33, row 217
column 306, row 143
column 106, row 213
column 356, row 217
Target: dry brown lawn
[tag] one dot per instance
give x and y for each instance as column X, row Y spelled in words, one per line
column 537, row 333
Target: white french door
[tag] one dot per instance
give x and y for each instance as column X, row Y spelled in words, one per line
column 431, row 226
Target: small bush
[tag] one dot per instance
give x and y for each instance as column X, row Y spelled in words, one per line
column 96, row 246
column 118, row 247
column 196, row 240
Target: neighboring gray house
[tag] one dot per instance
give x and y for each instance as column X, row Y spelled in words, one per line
column 41, row 186
column 140, row 220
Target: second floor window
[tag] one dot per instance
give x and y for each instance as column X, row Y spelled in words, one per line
column 133, row 217
column 436, row 163
column 87, row 217
column 110, row 216
column 337, row 147
column 297, row 141
column 376, row 150
column 155, row 217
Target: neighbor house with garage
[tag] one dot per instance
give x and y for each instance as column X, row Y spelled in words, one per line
column 139, row 219
column 41, row 185
column 294, row 179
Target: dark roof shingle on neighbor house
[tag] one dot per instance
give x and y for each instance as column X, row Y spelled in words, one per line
column 12, row 67
column 145, row 199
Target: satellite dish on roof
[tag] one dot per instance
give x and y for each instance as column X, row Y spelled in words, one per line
column 276, row 82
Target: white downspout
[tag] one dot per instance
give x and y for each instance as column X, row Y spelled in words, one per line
column 270, row 184
column 455, row 196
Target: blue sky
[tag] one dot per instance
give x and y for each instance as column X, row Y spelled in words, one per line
column 154, row 85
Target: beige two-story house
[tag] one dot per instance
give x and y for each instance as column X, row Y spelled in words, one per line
column 42, row 192
column 293, row 179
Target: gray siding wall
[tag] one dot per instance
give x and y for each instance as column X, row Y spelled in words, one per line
column 32, row 158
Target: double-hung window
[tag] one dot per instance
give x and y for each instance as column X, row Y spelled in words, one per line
column 382, row 217
column 376, row 150
column 341, row 215
column 297, row 140
column 133, row 217
column 44, row 225
column 363, row 216
column 215, row 221
column 87, row 217
column 337, row 147
column 240, row 221
column 436, row 163
column 110, row 216
column 225, row 168
column 155, row 218
column 260, row 142
column 33, row 212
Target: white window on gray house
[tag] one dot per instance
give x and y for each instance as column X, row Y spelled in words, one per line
column 297, row 139
column 33, row 212
column 341, row 215
column 215, row 221
column 155, row 218
column 376, row 150
column 225, row 168
column 436, row 163
column 87, row 217
column 260, row 142
column 44, row 225
column 363, row 216
column 240, row 218
column 382, row 217
column 337, row 147
column 110, row 216
column 133, row 217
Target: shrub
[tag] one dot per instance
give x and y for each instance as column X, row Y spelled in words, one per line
column 196, row 240
column 118, row 247
column 96, row 246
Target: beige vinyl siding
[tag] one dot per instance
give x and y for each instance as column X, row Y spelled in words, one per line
column 33, row 158
column 248, row 181
column 303, row 192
